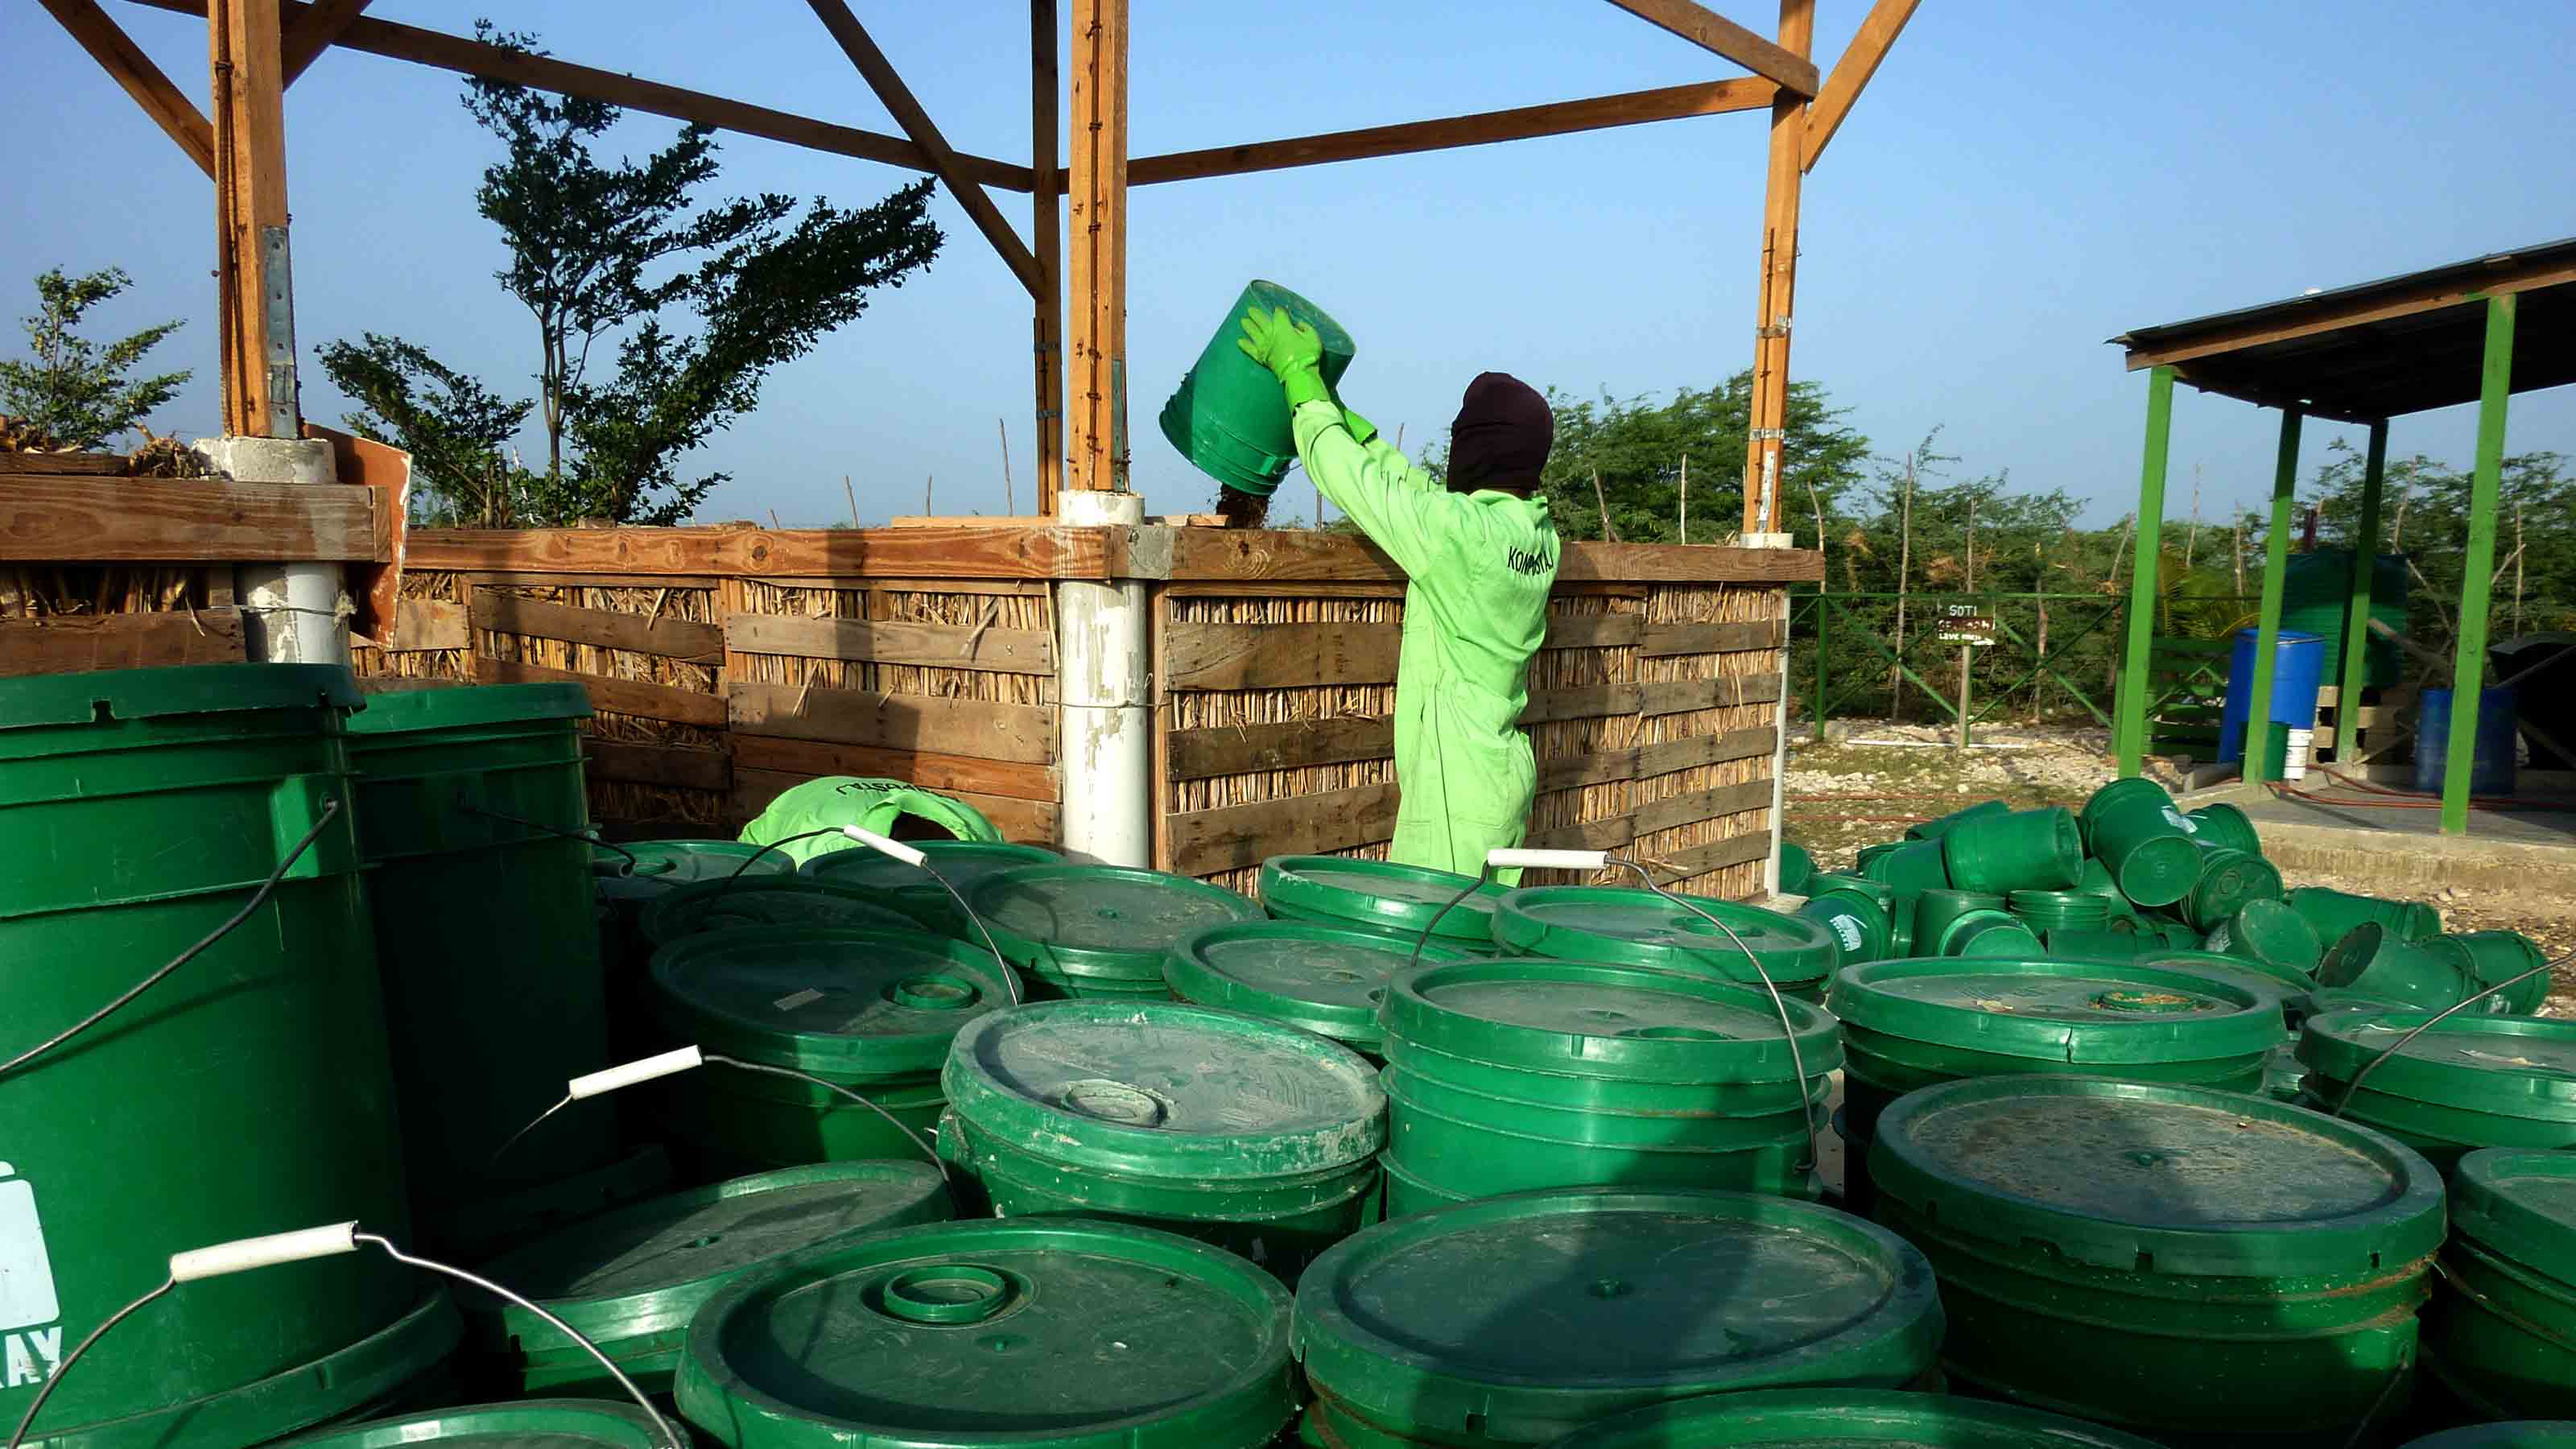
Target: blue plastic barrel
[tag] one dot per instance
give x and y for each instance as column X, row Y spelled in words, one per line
column 2298, row 673
column 2490, row 761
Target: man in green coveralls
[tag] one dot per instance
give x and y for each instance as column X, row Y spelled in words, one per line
column 1480, row 555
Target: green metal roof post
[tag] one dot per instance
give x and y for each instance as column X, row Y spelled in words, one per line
column 2276, row 565
column 2129, row 741
column 2356, row 628
column 2468, row 673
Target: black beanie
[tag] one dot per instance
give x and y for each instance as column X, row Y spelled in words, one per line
column 1502, row 434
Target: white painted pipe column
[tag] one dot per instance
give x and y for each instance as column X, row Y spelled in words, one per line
column 1104, row 694
column 292, row 613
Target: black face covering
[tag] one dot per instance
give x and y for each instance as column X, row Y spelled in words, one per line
column 1501, row 436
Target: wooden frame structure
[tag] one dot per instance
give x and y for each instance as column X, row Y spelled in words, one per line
column 1074, row 264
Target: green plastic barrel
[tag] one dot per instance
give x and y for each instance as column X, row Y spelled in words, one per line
column 1623, row 926
column 735, row 903
column 1229, row 416
column 1858, row 923
column 2270, row 932
column 1256, row 1137
column 2015, row 850
column 629, row 1280
column 1099, row 930
column 1912, row 1024
column 2469, row 1082
column 1325, row 979
column 1985, row 934
column 2228, row 879
column 2134, row 829
column 1035, row 1333
column 525, row 1005
column 1394, row 900
column 2225, row 825
column 2495, row 957
column 627, row 878
column 1516, row 1320
column 1844, row 1419
column 1939, row 826
column 2431, row 974
column 1936, row 911
column 2501, row 1331
column 529, row 1424
column 2333, row 914
column 2201, row 1267
column 964, row 864
column 1797, row 868
column 869, row 1011
column 1911, row 868
column 1516, row 1074
column 2046, row 911
column 248, row 1092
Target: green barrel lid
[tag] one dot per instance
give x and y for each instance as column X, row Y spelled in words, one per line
column 1590, row 1019
column 732, row 903
column 2060, row 1011
column 528, row 1424
column 1401, row 899
column 2519, row 1434
column 109, row 695
column 1844, row 1419
column 487, row 704
column 1633, row 927
column 1037, row 1333
column 669, row 863
column 1164, row 1089
column 639, row 1272
column 1099, row 920
column 2162, row 1180
column 1327, row 979
column 826, row 999
column 1644, row 1297
column 962, row 863
column 2521, row 1205
column 2269, row 977
column 2509, row 1066
column 2267, row 931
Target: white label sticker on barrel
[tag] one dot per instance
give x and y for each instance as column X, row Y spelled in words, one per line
column 31, row 1342
column 1847, row 931
column 2217, row 940
column 2182, row 822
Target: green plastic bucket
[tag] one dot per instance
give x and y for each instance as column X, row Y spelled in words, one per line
column 2334, row 913
column 529, row 1424
column 437, row 769
column 2222, row 824
column 2495, row 957
column 1797, row 868
column 1939, row 826
column 2470, row 1082
column 1912, row 1024
column 964, row 864
column 2015, row 850
column 2270, row 932
column 2229, row 878
column 1911, row 868
column 1099, row 930
column 1936, row 911
column 1256, row 1137
column 1038, row 1333
column 247, row 1093
column 1858, row 924
column 2054, row 910
column 1396, row 901
column 629, row 1280
column 2075, row 943
column 2502, row 1325
column 2177, row 934
column 1229, row 416
column 1516, row 1074
column 1627, row 927
column 870, row 1011
column 1844, row 1419
column 2096, row 881
column 2202, row 1267
column 1985, row 934
column 627, row 878
column 2431, row 974
column 2133, row 827
column 1517, row 1320
column 762, row 901
column 1325, row 979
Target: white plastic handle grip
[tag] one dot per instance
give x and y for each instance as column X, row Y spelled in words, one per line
column 882, row 846
column 1547, row 859
column 245, row 1254
column 609, row 1079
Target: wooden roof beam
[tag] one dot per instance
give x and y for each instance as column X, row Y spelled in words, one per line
column 2329, row 315
column 455, row 53
column 900, row 102
column 1718, row 35
column 125, row 62
column 1869, row 45
column 1707, row 98
column 315, row 32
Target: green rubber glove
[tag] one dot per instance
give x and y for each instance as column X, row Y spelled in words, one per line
column 1361, row 428
column 1291, row 350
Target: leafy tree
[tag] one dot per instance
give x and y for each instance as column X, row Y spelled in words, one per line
column 81, row 393
column 696, row 304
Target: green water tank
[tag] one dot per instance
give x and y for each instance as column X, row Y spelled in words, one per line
column 1844, row 1419
column 1517, row 1320
column 2470, row 1081
column 1099, row 930
column 2316, row 598
column 1624, row 926
column 1514, row 1074
column 2200, row 1267
column 248, row 1092
column 1017, row 1333
column 2501, row 1332
column 1383, row 896
column 1330, row 980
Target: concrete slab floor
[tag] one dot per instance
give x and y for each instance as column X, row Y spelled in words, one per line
column 2340, row 807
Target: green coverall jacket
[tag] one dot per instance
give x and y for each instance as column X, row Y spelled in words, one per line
column 1480, row 566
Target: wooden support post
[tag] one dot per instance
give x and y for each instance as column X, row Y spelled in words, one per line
column 2468, row 669
column 2356, row 627
column 1096, row 301
column 1777, row 289
column 2129, row 738
column 2267, row 634
column 254, row 286
column 314, row 32
column 128, row 66
column 1046, row 105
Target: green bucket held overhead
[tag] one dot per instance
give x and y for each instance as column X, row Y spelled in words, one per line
column 2134, row 829
column 1229, row 417
column 2015, row 850
column 2501, row 1331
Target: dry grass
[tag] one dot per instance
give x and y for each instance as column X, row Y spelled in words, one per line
column 43, row 591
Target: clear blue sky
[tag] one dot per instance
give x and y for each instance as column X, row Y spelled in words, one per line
column 2022, row 180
